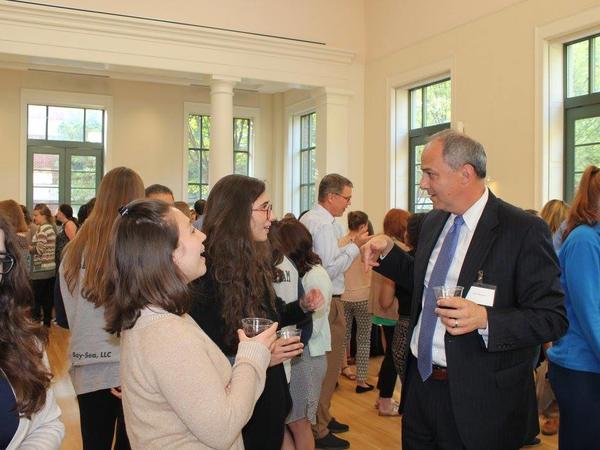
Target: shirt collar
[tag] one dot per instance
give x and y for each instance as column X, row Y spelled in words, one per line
column 472, row 215
column 324, row 213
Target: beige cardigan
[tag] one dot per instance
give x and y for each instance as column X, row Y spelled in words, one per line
column 179, row 389
column 357, row 282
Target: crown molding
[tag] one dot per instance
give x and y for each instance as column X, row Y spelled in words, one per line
column 40, row 18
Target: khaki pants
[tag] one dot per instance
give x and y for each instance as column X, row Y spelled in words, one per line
column 337, row 325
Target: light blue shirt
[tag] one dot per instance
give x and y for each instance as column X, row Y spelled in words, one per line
column 326, row 233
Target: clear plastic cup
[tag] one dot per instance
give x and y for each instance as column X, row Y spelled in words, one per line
column 447, row 292
column 255, row 325
column 287, row 333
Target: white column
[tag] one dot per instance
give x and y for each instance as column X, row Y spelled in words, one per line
column 221, row 127
column 332, row 131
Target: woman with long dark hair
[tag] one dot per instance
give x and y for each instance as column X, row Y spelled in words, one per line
column 94, row 353
column 238, row 284
column 69, row 226
column 29, row 416
column 574, row 368
column 179, row 390
column 294, row 241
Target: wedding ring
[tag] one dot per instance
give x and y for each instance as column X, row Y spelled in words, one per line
column 455, row 323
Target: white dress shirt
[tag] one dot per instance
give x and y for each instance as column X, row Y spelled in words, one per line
column 471, row 218
column 326, row 233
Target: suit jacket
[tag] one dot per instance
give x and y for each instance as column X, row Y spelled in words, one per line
column 492, row 389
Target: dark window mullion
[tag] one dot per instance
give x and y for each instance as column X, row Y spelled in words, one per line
column 47, row 113
column 590, row 66
column 423, row 106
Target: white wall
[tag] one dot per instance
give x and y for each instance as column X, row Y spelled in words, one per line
column 392, row 25
column 492, row 63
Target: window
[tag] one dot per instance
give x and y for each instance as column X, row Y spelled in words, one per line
column 242, row 130
column 198, row 149
column 308, row 163
column 429, row 112
column 198, row 145
column 65, row 149
column 582, row 109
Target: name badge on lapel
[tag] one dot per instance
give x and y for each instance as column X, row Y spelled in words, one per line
column 480, row 293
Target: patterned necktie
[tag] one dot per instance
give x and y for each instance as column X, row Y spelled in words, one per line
column 437, row 278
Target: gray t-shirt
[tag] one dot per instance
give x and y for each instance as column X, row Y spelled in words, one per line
column 94, row 353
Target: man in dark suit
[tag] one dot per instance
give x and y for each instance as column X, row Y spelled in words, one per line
column 470, row 372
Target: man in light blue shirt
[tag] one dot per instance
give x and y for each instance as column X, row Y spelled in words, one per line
column 335, row 194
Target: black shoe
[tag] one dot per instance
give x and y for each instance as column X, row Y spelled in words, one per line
column 331, row 442
column 336, row 427
column 533, row 442
column 362, row 389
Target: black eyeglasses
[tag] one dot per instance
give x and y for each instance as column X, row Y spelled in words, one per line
column 7, row 262
column 267, row 209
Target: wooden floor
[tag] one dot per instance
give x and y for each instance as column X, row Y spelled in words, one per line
column 368, row 430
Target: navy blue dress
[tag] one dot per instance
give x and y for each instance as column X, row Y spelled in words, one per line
column 9, row 418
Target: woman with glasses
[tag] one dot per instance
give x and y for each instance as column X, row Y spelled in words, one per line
column 29, row 416
column 239, row 284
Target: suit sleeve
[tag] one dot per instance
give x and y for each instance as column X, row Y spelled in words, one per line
column 398, row 266
column 538, row 314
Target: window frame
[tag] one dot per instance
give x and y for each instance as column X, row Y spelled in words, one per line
column 201, row 151
column 575, row 108
column 419, row 136
column 69, row 100
column 310, row 151
column 65, row 150
column 239, row 112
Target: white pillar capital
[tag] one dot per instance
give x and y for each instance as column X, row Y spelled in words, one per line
column 223, row 84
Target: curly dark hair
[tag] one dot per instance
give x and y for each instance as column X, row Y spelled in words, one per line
column 295, row 242
column 239, row 266
column 22, row 341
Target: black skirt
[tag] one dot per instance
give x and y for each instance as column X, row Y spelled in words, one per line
column 265, row 429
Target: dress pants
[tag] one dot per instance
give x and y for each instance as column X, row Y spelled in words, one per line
column 428, row 421
column 387, row 371
column 43, row 291
column 99, row 413
column 337, row 325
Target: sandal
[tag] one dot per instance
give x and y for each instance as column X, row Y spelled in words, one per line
column 392, row 412
column 347, row 372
